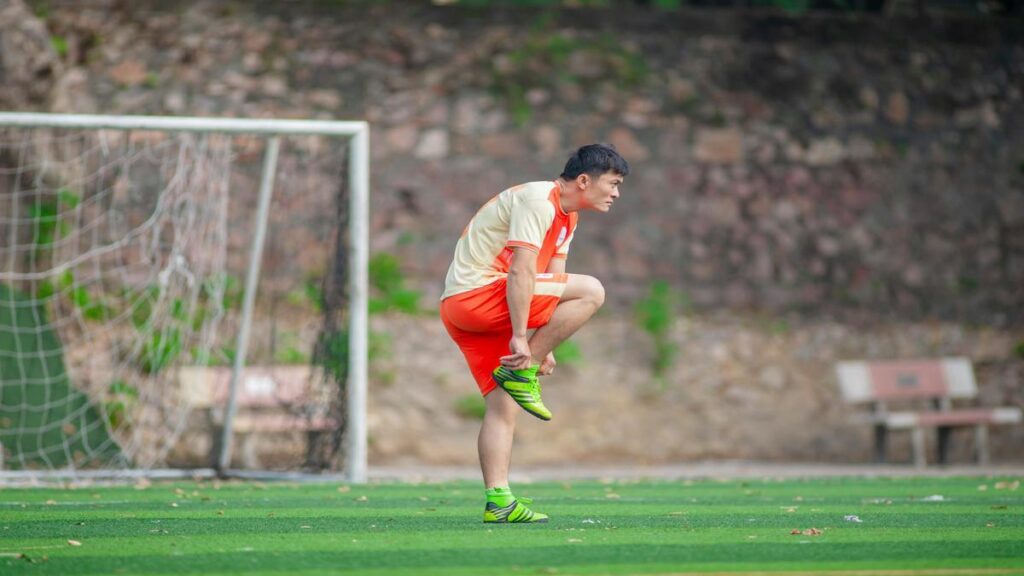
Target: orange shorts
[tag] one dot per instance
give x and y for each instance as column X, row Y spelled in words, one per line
column 478, row 321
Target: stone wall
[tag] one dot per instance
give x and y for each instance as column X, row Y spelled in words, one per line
column 851, row 165
column 818, row 188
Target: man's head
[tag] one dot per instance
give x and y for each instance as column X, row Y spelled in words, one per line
column 596, row 170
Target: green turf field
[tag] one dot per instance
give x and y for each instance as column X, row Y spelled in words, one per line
column 909, row 525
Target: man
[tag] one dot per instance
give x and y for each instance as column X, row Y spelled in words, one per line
column 508, row 277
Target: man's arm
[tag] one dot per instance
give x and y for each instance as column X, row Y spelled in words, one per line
column 556, row 266
column 522, row 276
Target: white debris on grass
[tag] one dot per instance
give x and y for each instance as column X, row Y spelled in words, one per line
column 852, row 518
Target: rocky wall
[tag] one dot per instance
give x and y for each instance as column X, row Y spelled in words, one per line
column 857, row 166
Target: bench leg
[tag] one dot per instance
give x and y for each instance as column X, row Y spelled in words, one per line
column 917, row 440
column 981, row 444
column 944, row 433
column 881, row 433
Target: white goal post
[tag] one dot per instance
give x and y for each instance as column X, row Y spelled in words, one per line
column 358, row 173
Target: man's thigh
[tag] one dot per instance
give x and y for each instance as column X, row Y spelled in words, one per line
column 486, row 309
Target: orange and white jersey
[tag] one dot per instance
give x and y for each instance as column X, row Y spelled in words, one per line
column 530, row 216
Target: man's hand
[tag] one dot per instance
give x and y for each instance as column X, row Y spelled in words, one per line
column 548, row 365
column 520, row 357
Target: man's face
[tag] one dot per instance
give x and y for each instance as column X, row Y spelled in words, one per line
column 600, row 193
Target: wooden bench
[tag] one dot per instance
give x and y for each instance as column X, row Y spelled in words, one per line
column 270, row 399
column 935, row 382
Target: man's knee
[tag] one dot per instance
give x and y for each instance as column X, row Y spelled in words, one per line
column 595, row 291
column 586, row 288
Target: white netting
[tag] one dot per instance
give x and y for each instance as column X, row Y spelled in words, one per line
column 112, row 274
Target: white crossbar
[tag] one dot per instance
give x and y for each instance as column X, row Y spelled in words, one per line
column 185, row 124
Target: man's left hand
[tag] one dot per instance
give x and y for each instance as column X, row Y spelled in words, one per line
column 548, row 365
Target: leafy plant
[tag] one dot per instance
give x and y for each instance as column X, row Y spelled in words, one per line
column 568, row 353
column 655, row 314
column 60, row 45
column 541, row 59
column 332, row 354
column 161, row 349
column 121, row 397
column 48, row 221
column 388, row 284
column 471, row 406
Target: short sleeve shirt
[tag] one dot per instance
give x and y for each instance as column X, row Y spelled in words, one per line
column 529, row 216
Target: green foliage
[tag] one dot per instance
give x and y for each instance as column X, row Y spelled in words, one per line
column 568, row 353
column 541, row 60
column 655, row 314
column 332, row 354
column 161, row 350
column 309, row 295
column 121, row 396
column 60, row 45
column 48, row 223
column 289, row 352
column 472, row 406
column 291, row 355
column 967, row 284
column 388, row 285
column 1019, row 349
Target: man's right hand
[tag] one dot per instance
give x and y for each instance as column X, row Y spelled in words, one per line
column 520, row 357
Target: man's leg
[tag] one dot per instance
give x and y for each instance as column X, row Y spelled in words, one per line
column 495, row 441
column 582, row 297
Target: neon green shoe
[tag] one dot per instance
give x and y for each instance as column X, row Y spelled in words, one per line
column 514, row 513
column 523, row 387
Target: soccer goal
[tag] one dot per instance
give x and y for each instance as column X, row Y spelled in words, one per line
column 115, row 281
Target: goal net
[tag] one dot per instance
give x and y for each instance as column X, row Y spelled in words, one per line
column 117, row 288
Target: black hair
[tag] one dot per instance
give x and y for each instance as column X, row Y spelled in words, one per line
column 595, row 160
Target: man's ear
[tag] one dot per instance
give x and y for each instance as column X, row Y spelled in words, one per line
column 583, row 180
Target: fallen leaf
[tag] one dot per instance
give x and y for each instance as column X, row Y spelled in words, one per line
column 344, row 489
column 361, row 499
column 74, row 543
column 982, row 487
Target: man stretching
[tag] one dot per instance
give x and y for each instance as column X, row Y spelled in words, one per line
column 508, row 277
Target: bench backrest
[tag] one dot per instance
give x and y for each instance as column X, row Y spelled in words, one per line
column 259, row 386
column 868, row 381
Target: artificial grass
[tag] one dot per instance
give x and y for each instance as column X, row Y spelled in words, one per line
column 928, row 525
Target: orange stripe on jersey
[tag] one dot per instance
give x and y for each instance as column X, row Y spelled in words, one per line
column 517, row 244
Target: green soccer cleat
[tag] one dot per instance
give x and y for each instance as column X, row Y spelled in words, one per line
column 523, row 387
column 514, row 513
